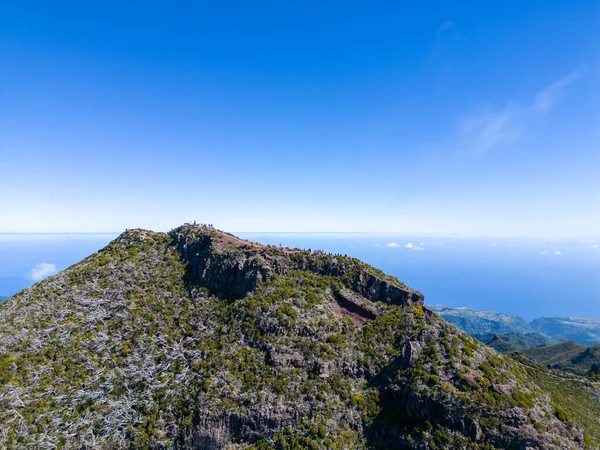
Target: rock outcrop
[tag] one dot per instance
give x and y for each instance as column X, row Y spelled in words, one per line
column 227, row 264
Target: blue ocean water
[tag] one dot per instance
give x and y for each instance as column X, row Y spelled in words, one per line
column 527, row 277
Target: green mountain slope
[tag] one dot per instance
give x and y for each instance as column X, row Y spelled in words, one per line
column 509, row 342
column 197, row 339
column 568, row 356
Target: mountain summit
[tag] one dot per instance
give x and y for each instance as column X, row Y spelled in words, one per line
column 198, row 339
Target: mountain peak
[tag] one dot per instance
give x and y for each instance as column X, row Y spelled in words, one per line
column 198, row 339
column 230, row 265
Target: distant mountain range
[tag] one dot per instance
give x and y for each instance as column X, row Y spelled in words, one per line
column 548, row 340
column 510, row 342
column 568, row 356
column 582, row 330
column 473, row 321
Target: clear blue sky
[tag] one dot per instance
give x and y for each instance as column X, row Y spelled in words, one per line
column 463, row 117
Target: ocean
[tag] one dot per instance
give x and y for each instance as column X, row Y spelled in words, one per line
column 527, row 277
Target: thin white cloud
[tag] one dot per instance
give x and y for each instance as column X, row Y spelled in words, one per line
column 445, row 33
column 413, row 247
column 392, row 245
column 484, row 131
column 544, row 252
column 594, row 245
column 547, row 98
column 493, row 245
column 41, row 271
column 376, row 245
column 491, row 128
column 409, row 245
column 558, row 253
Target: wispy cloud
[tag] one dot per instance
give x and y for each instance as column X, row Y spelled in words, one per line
column 547, row 98
column 558, row 253
column 392, row 245
column 544, row 252
column 413, row 247
column 41, row 271
column 594, row 245
column 488, row 129
column 445, row 33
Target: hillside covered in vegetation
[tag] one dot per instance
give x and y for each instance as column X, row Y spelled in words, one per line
column 507, row 343
column 197, row 339
column 567, row 356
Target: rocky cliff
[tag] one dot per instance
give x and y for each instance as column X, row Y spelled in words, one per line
column 227, row 264
column 198, row 339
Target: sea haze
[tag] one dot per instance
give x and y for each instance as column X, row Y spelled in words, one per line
column 21, row 255
column 526, row 277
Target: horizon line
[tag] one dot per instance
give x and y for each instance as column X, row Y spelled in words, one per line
column 371, row 233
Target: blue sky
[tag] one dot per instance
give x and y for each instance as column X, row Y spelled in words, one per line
column 479, row 118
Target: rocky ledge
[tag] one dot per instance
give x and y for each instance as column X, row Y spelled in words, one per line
column 227, row 264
